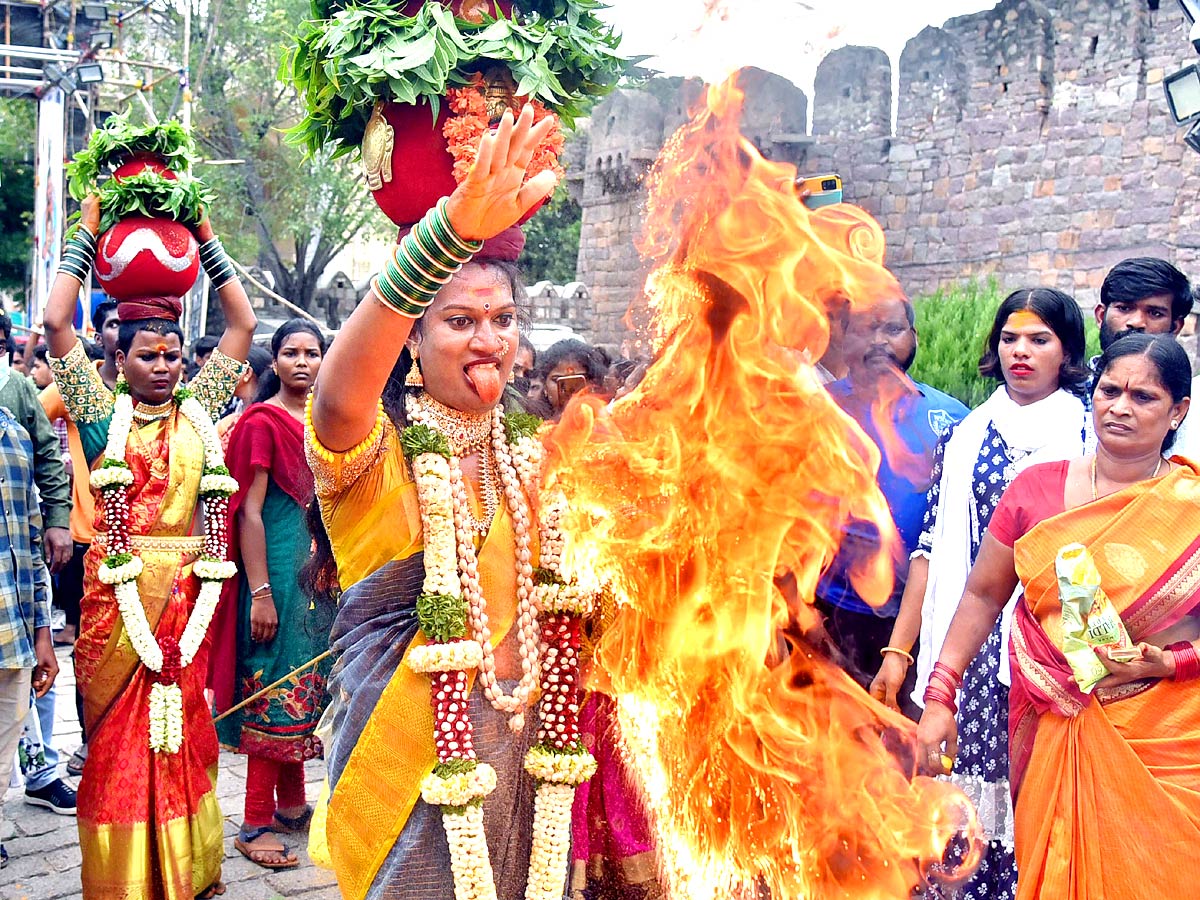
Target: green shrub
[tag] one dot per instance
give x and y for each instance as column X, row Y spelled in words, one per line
column 952, row 328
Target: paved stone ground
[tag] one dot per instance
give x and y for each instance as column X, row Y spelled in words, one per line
column 44, row 848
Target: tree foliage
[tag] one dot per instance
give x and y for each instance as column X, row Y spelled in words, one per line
column 17, row 117
column 552, row 240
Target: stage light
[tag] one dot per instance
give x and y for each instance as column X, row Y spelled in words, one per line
column 1183, row 94
column 89, row 73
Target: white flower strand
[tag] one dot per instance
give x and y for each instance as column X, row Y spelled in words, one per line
column 470, row 863
column 551, row 841
column 166, row 700
column 460, row 788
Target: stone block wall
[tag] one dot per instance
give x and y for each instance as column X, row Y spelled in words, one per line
column 1032, row 143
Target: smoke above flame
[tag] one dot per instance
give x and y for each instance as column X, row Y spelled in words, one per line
column 710, row 499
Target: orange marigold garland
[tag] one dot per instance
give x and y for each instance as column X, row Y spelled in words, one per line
column 468, row 122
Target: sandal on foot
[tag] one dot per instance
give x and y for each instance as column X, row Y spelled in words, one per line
column 246, row 838
column 293, row 824
column 213, row 890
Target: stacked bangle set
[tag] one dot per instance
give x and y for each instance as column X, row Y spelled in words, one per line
column 1187, row 663
column 78, row 255
column 217, row 263
column 425, row 259
column 943, row 687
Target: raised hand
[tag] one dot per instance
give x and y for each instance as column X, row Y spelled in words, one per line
column 494, row 196
column 89, row 214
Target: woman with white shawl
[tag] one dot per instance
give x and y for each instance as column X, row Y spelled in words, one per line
column 1036, row 352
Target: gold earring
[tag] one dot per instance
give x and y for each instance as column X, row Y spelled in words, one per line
column 413, row 378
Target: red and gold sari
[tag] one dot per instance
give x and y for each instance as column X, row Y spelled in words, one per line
column 149, row 824
column 1108, row 786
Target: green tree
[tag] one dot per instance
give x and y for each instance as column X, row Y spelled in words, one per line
column 294, row 214
column 17, row 128
column 552, row 240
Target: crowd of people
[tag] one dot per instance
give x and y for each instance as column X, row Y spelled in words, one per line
column 292, row 540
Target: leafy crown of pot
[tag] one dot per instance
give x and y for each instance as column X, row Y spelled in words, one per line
column 110, row 145
column 150, row 194
column 354, row 52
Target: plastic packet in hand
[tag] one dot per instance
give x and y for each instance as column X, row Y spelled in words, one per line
column 1089, row 619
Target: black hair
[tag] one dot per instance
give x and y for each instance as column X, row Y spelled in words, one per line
column 1139, row 277
column 100, row 313
column 527, row 344
column 268, row 381
column 1061, row 314
column 42, row 352
column 259, row 359
column 204, row 345
column 93, row 350
column 6, row 341
column 318, row 577
column 161, row 327
column 571, row 350
column 1170, row 361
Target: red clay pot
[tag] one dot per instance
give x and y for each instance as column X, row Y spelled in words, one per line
column 140, row 257
column 139, row 162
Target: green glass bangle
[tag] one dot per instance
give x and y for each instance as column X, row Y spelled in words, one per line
column 437, row 272
column 403, row 307
column 432, row 248
column 442, row 227
column 387, row 290
column 406, row 268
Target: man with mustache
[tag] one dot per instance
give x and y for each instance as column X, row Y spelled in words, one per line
column 904, row 419
column 1142, row 294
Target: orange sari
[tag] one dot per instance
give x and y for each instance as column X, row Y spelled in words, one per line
column 150, row 827
column 1108, row 786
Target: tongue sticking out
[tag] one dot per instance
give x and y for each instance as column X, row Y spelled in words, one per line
column 485, row 379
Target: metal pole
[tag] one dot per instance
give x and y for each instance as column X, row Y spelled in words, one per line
column 185, row 71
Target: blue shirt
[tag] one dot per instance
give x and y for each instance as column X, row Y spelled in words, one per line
column 918, row 420
column 24, row 580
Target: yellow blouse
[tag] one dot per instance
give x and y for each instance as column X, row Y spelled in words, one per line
column 368, row 500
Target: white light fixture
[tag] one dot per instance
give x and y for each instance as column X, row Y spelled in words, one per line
column 102, row 40
column 1183, row 94
column 89, row 73
column 95, row 12
column 1192, row 138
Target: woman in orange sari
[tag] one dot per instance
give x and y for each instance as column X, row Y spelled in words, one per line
column 149, row 824
column 1089, row 763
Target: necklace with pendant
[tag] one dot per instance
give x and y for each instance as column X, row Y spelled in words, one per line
column 159, row 467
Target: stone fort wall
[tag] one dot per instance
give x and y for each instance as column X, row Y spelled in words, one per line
column 1033, row 143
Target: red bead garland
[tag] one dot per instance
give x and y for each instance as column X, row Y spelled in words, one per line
column 452, row 730
column 558, row 709
column 172, row 666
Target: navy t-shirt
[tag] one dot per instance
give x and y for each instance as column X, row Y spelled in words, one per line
column 918, row 420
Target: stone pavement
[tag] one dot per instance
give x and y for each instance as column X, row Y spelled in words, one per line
column 44, row 848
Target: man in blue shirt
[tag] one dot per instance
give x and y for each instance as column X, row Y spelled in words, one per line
column 904, row 419
column 26, row 652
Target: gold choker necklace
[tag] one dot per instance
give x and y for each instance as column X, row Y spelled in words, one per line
column 144, row 412
column 465, row 431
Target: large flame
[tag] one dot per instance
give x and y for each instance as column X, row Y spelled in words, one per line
column 711, row 498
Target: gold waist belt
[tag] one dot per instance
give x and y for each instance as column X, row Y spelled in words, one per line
column 192, row 545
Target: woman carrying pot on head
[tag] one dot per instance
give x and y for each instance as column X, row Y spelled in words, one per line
column 278, row 627
column 1105, row 735
column 1036, row 351
column 437, row 548
column 149, row 823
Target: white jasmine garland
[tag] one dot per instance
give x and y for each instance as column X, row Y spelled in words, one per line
column 166, row 700
column 573, row 769
column 451, row 568
column 106, row 476
column 469, row 861
column 127, row 572
column 166, row 718
column 455, row 656
column 551, row 841
column 218, row 484
column 460, row 788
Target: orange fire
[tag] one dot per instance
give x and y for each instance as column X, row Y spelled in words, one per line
column 710, row 499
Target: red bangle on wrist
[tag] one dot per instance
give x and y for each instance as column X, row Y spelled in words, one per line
column 936, row 693
column 940, row 668
column 1187, row 662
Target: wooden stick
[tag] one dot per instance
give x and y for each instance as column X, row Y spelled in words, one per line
column 272, row 686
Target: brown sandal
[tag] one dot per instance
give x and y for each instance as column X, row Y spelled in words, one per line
column 246, row 837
